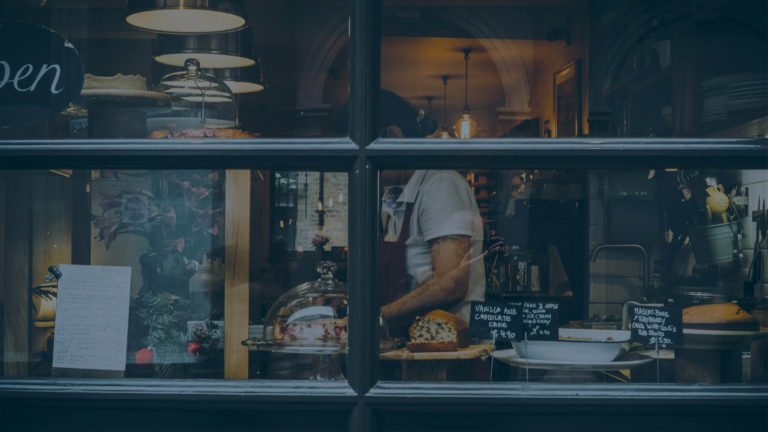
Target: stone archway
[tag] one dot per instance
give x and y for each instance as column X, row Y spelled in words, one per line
column 514, row 73
column 330, row 41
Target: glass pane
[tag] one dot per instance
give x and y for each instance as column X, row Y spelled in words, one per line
column 571, row 275
column 561, row 69
column 236, row 69
column 142, row 273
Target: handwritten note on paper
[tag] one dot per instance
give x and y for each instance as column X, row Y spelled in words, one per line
column 92, row 317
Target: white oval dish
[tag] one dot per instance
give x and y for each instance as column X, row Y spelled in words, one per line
column 576, row 345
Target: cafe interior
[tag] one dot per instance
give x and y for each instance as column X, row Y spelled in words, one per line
column 594, row 241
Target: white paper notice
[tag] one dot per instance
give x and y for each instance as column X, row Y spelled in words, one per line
column 92, row 317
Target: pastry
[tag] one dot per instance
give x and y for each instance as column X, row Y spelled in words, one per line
column 202, row 133
column 721, row 316
column 117, row 82
column 438, row 331
column 321, row 330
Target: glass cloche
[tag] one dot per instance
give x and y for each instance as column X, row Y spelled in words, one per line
column 198, row 100
column 311, row 317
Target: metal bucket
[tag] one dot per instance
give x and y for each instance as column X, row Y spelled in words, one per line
column 713, row 244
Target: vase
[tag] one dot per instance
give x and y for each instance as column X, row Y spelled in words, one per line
column 165, row 271
column 170, row 362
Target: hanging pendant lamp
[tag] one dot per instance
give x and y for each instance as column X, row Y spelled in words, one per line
column 466, row 127
column 243, row 80
column 185, row 16
column 442, row 131
column 213, row 51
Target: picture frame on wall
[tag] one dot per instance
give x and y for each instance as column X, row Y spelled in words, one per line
column 567, row 101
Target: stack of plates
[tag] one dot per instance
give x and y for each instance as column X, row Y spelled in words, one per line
column 732, row 92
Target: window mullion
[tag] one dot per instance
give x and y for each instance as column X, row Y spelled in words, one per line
column 365, row 62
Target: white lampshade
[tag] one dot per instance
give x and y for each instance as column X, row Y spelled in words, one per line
column 207, row 60
column 240, row 87
column 213, row 51
column 184, row 16
column 243, row 80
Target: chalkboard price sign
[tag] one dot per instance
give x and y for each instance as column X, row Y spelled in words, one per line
column 40, row 73
column 540, row 319
column 656, row 324
column 495, row 321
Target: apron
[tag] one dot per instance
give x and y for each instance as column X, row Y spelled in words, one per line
column 392, row 267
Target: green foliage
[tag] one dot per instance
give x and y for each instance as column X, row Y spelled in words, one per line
column 162, row 313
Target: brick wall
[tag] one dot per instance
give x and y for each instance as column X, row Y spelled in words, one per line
column 335, row 205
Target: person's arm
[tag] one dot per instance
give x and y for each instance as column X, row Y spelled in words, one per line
column 450, row 261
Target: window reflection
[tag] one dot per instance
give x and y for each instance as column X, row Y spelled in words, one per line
column 534, row 275
column 273, row 70
column 192, row 255
column 574, row 69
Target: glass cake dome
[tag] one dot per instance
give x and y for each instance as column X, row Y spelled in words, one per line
column 311, row 317
column 198, row 100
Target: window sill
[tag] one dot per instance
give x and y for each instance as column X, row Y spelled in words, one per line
column 489, row 394
column 325, row 393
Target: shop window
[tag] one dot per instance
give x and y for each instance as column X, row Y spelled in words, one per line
column 453, row 69
column 566, row 275
column 241, row 69
column 172, row 274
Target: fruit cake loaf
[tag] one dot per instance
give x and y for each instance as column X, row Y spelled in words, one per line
column 438, row 331
column 721, row 316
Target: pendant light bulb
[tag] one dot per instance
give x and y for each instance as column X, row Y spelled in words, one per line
column 466, row 127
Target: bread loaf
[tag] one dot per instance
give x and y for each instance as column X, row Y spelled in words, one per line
column 438, row 331
column 721, row 316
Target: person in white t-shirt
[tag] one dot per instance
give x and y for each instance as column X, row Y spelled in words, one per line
column 431, row 245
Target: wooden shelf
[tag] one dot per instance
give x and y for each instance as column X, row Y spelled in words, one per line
column 44, row 324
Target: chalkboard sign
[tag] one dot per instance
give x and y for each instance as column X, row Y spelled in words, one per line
column 495, row 321
column 40, row 73
column 652, row 324
column 540, row 319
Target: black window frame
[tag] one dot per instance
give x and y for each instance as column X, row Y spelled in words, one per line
column 362, row 400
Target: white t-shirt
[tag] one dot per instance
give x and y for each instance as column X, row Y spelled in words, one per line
column 443, row 205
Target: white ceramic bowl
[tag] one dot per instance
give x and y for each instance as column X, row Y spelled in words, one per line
column 577, row 345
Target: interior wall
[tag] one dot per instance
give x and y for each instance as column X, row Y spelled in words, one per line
column 2, row 272
column 553, row 56
column 125, row 249
column 3, row 209
column 757, row 183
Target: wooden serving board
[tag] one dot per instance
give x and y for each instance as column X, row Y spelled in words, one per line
column 470, row 352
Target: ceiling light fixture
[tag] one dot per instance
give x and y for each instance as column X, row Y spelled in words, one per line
column 429, row 104
column 243, row 80
column 442, row 132
column 185, row 16
column 466, row 127
column 213, row 51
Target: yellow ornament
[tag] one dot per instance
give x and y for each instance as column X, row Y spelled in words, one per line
column 717, row 203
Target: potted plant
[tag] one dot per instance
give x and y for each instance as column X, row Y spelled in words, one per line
column 180, row 215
